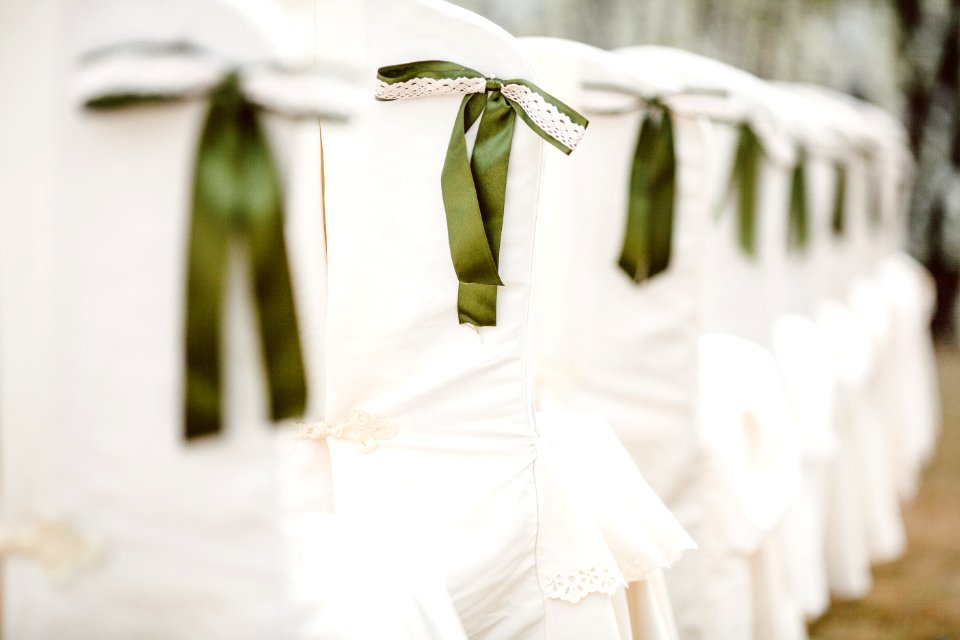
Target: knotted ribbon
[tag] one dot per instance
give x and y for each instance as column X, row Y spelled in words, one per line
column 798, row 223
column 237, row 197
column 474, row 186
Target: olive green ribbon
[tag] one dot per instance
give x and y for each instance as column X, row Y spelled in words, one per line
column 744, row 180
column 474, row 185
column 648, row 237
column 237, row 194
column 798, row 223
column 838, row 218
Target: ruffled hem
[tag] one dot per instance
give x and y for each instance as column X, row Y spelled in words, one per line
column 752, row 459
column 602, row 526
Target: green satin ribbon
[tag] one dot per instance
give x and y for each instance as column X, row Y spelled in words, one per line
column 744, row 180
column 237, row 196
column 838, row 221
column 798, row 223
column 648, row 237
column 474, row 186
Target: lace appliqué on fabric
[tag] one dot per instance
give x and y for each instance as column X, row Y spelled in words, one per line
column 574, row 586
column 546, row 116
column 362, row 429
column 59, row 550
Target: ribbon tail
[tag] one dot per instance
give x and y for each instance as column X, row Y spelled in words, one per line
column 278, row 321
column 470, row 246
column 273, row 290
column 649, row 233
column 206, row 277
column 663, row 189
column 874, row 193
column 634, row 256
column 489, row 164
column 744, row 180
column 838, row 218
column 797, row 228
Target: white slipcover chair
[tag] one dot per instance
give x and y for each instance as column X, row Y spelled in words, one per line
column 803, row 351
column 341, row 570
column 917, row 409
column 140, row 533
column 155, row 512
column 910, row 397
column 29, row 67
column 633, row 350
column 535, row 536
column 741, row 296
column 596, row 344
column 864, row 523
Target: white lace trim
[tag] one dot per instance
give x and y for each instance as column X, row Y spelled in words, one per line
column 639, row 568
column 420, row 87
column 143, row 74
column 545, row 115
column 183, row 74
column 574, row 586
column 59, row 550
column 362, row 428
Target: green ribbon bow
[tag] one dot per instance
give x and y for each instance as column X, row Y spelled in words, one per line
column 648, row 237
column 838, row 221
column 474, row 187
column 744, row 179
column 798, row 224
column 237, row 194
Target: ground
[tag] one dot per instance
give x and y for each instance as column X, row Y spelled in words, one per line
column 918, row 596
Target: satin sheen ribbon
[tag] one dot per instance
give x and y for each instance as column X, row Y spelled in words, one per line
column 474, row 185
column 798, row 222
column 237, row 196
column 648, row 238
column 744, row 180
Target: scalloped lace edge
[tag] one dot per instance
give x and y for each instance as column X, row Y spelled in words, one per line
column 574, row 586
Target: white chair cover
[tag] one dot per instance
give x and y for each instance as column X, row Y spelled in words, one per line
column 28, row 63
column 187, row 537
column 601, row 341
column 741, row 296
column 802, row 351
column 145, row 535
column 806, row 366
column 914, row 407
column 471, row 474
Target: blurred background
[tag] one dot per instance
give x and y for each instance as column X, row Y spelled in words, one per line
column 903, row 55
